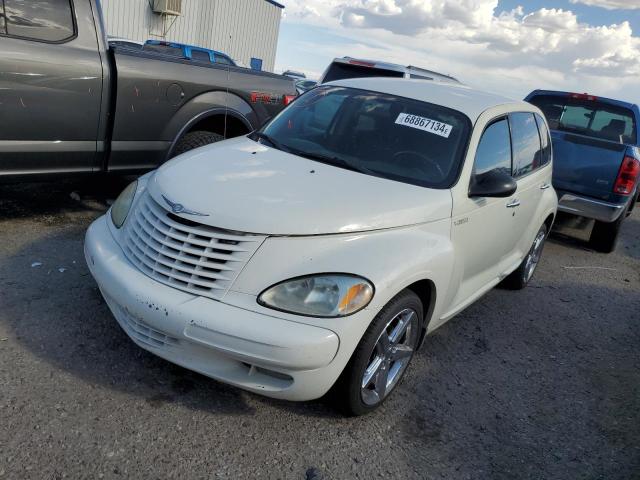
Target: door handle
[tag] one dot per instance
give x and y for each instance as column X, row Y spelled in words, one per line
column 544, row 186
column 513, row 203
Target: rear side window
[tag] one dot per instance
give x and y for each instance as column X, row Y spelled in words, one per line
column 200, row 56
column 43, row 20
column 587, row 117
column 545, row 140
column 494, row 149
column 165, row 50
column 527, row 152
column 341, row 71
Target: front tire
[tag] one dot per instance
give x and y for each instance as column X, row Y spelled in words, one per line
column 382, row 356
column 196, row 139
column 522, row 275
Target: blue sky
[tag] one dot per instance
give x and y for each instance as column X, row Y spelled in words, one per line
column 507, row 46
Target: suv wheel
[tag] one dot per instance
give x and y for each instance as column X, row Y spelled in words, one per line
column 382, row 356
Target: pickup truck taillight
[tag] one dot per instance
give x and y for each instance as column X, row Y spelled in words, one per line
column 627, row 176
column 287, row 99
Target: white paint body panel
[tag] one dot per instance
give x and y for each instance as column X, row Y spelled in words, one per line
column 248, row 187
column 332, row 220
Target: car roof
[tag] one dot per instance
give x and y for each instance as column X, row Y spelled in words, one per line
column 598, row 98
column 459, row 97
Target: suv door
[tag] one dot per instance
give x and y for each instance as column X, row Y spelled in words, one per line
column 50, row 87
column 529, row 158
column 483, row 228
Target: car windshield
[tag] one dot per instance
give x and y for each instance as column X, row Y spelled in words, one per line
column 373, row 133
column 586, row 117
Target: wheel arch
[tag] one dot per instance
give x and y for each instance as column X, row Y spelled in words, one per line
column 425, row 290
column 213, row 120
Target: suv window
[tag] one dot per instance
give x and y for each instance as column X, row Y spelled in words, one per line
column 527, row 152
column 494, row 149
column 165, row 50
column 545, row 140
column 200, row 56
column 44, row 20
column 595, row 119
column 223, row 60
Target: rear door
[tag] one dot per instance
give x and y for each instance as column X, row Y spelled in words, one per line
column 50, row 86
column 529, row 162
column 590, row 138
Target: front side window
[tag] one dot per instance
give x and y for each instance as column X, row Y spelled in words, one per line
column 545, row 140
column 494, row 149
column 527, row 152
column 44, row 20
column 374, row 133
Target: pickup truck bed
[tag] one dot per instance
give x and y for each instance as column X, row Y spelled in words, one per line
column 70, row 103
column 596, row 158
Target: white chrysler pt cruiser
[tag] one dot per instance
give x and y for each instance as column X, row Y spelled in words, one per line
column 317, row 253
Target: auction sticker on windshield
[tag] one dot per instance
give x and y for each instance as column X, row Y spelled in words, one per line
column 426, row 124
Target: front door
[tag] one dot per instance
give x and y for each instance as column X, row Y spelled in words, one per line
column 50, row 86
column 483, row 230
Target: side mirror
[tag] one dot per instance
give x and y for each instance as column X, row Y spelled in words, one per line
column 494, row 183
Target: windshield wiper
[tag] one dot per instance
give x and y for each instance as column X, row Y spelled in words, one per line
column 275, row 143
column 333, row 160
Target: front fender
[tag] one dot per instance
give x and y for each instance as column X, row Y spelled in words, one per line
column 391, row 259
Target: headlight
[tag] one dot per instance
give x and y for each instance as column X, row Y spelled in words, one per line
column 122, row 205
column 323, row 295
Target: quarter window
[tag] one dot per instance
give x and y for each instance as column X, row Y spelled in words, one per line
column 494, row 150
column 527, row 152
column 44, row 20
column 545, row 140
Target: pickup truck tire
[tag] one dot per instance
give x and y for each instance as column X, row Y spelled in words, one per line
column 387, row 345
column 196, row 139
column 604, row 236
column 522, row 275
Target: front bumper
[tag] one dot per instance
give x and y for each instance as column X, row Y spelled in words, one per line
column 265, row 354
column 590, row 208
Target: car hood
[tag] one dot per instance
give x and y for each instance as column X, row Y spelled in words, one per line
column 245, row 186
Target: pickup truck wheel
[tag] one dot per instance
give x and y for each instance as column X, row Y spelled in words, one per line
column 195, row 140
column 521, row 276
column 604, row 236
column 382, row 356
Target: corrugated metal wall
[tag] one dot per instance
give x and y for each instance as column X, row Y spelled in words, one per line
column 241, row 28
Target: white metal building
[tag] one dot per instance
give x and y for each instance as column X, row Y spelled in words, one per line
column 244, row 29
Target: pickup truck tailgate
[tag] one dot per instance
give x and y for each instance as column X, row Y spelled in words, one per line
column 585, row 165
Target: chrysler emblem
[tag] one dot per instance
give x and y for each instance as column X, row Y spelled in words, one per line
column 178, row 208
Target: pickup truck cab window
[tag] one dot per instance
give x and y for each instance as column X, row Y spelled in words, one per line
column 41, row 20
column 494, row 149
column 375, row 133
column 527, row 151
column 590, row 118
column 200, row 56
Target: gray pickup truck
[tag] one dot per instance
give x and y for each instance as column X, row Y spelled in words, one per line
column 70, row 103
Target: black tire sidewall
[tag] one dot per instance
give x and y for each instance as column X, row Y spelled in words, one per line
column 351, row 379
column 197, row 139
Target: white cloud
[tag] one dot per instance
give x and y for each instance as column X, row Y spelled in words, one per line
column 611, row 4
column 509, row 51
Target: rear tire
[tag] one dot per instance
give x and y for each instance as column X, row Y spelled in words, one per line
column 196, row 139
column 522, row 275
column 381, row 358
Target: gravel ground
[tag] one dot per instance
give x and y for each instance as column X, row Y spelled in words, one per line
column 538, row 384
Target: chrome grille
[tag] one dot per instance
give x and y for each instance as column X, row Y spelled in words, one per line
column 186, row 255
